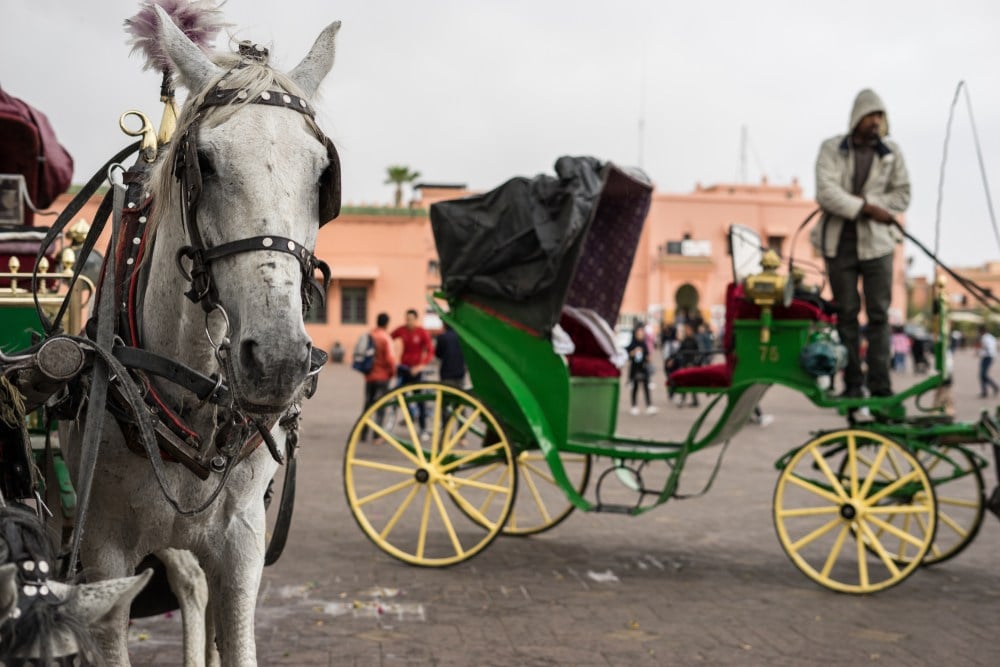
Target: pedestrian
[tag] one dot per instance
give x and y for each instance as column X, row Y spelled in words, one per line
column 449, row 351
column 638, row 371
column 705, row 343
column 383, row 369
column 987, row 352
column 900, row 349
column 688, row 354
column 415, row 350
column 862, row 186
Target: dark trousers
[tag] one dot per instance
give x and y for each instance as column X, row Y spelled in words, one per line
column 640, row 382
column 876, row 277
column 373, row 392
column 984, row 376
column 408, row 377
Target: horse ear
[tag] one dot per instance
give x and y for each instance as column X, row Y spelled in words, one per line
column 93, row 602
column 8, row 590
column 309, row 73
column 195, row 68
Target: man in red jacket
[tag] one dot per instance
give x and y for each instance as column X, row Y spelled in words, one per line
column 415, row 350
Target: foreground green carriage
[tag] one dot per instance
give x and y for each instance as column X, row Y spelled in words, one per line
column 856, row 509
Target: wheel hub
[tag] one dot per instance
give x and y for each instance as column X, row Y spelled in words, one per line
column 422, row 475
column 848, row 512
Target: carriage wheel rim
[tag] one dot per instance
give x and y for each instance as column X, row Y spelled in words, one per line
column 433, row 481
column 827, row 516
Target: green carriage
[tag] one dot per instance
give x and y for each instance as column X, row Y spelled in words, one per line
column 856, row 509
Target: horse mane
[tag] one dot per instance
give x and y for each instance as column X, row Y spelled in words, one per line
column 255, row 78
column 43, row 616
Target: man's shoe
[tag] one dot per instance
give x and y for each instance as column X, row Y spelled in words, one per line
column 852, row 392
column 634, row 411
column 652, row 410
column 882, row 393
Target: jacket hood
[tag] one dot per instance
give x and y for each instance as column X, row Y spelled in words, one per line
column 865, row 103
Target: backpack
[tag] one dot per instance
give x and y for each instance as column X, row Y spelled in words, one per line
column 363, row 359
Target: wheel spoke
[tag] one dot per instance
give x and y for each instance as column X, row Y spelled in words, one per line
column 395, row 443
column 378, row 465
column 399, row 512
column 874, row 544
column 875, row 469
column 891, row 488
column 819, row 491
column 816, row 534
column 467, row 507
column 459, row 434
column 834, row 482
column 437, row 425
column 852, row 463
column 447, row 522
column 537, row 496
column 461, row 481
column 485, row 471
column 900, row 509
column 388, row 491
column 808, row 511
column 414, row 436
column 838, row 544
column 891, row 529
column 492, row 494
column 871, row 466
column 958, row 502
column 951, row 523
column 862, row 564
column 485, row 451
column 540, row 473
column 424, row 518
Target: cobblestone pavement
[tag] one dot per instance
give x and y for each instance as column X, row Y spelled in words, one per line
column 702, row 581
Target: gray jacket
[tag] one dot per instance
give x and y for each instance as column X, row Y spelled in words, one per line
column 887, row 186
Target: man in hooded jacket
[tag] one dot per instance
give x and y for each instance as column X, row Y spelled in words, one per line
column 862, row 186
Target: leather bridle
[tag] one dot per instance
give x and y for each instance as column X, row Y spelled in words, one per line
column 187, row 170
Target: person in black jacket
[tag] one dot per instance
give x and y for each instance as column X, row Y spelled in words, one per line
column 449, row 351
column 638, row 371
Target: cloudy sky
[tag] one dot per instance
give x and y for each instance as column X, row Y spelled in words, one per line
column 477, row 92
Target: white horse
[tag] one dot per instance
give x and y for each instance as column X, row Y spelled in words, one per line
column 261, row 168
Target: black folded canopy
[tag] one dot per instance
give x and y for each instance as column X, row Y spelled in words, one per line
column 516, row 247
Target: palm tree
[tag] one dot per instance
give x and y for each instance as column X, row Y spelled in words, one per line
column 397, row 175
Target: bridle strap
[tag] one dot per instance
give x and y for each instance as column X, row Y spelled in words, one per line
column 188, row 172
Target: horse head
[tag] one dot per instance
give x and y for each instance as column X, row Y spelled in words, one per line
column 43, row 620
column 264, row 178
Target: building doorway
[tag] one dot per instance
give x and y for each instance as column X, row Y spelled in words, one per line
column 686, row 302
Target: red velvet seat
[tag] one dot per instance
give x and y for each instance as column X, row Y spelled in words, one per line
column 589, row 359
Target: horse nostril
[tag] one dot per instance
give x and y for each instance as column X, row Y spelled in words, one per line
column 249, row 360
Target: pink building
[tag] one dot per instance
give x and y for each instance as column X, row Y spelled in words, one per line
column 384, row 259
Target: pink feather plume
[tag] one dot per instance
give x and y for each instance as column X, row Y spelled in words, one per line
column 200, row 20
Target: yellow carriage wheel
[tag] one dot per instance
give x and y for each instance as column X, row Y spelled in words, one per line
column 838, row 528
column 958, row 489
column 541, row 502
column 432, row 498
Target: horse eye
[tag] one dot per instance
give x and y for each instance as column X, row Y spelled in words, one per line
column 205, row 164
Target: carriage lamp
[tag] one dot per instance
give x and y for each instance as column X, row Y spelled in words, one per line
column 77, row 233
column 766, row 289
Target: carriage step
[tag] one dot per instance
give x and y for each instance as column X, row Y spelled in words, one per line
column 615, row 509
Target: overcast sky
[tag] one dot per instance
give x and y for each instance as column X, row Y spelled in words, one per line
column 477, row 92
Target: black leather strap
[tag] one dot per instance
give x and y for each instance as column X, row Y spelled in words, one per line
column 204, row 387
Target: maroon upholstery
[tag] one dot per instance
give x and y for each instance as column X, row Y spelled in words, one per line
column 718, row 375
column 591, row 367
column 21, row 148
column 589, row 359
column 797, row 310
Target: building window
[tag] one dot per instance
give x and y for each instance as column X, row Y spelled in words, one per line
column 776, row 243
column 317, row 310
column 353, row 305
